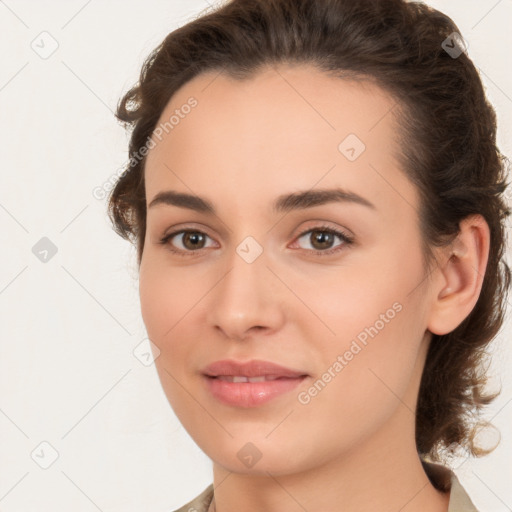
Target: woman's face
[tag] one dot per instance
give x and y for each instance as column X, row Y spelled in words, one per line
column 264, row 277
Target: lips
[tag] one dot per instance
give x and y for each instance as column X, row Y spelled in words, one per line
column 251, row 369
column 250, row 384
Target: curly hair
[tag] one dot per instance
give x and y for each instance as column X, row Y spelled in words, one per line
column 447, row 133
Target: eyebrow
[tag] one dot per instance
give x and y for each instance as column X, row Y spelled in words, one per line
column 283, row 204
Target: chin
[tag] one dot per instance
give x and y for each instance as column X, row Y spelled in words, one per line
column 255, row 454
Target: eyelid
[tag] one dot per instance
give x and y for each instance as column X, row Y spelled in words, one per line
column 174, row 230
column 319, row 225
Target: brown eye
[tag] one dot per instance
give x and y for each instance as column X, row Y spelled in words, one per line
column 190, row 241
column 322, row 239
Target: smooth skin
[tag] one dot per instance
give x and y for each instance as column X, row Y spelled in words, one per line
column 352, row 447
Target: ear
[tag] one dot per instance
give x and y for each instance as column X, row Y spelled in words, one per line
column 460, row 275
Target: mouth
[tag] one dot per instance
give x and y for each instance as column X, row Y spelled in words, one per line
column 250, row 384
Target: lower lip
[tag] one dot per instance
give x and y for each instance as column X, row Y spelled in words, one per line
column 249, row 394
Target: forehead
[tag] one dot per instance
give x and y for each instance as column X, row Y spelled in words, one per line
column 285, row 128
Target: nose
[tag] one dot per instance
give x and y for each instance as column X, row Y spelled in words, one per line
column 247, row 300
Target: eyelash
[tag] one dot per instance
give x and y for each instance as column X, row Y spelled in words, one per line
column 347, row 240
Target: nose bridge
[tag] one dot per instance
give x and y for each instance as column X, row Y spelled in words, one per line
column 246, row 296
column 246, row 283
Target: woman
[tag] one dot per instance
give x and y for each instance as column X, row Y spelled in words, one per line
column 315, row 193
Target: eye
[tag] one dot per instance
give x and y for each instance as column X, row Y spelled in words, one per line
column 191, row 240
column 323, row 237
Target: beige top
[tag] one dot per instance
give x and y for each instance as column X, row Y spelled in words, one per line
column 444, row 477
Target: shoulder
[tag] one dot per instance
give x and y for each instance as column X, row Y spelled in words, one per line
column 442, row 478
column 459, row 498
column 200, row 503
column 445, row 480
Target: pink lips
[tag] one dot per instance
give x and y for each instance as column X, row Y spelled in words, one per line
column 270, row 381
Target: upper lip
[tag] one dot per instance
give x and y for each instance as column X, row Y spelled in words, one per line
column 253, row 368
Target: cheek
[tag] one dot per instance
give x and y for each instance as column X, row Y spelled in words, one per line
column 163, row 310
column 360, row 384
column 161, row 307
column 344, row 303
column 170, row 303
column 371, row 327
column 151, row 301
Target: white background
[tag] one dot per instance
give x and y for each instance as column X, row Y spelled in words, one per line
column 68, row 375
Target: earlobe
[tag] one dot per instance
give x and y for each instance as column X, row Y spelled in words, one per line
column 460, row 276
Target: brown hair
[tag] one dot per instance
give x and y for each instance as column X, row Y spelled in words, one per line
column 447, row 131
